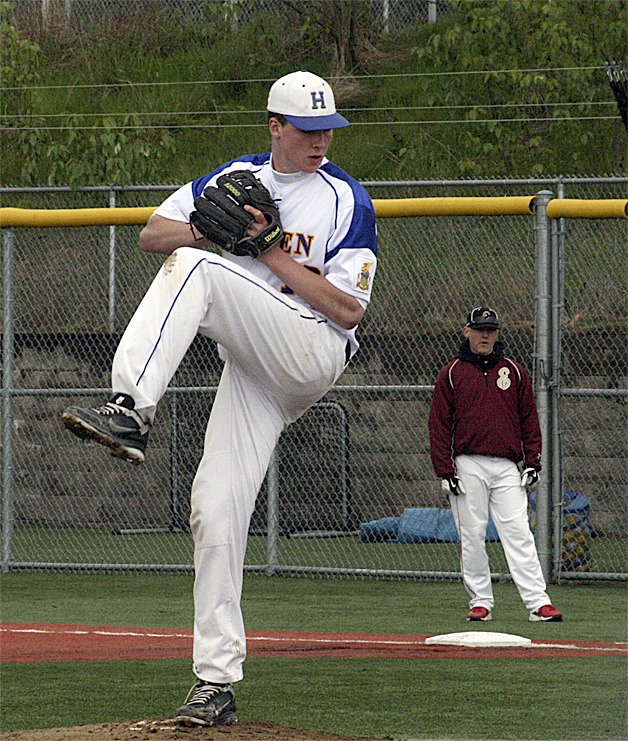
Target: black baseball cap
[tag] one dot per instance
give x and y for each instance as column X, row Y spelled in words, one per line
column 483, row 318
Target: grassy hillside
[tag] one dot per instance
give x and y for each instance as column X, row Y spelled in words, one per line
column 492, row 89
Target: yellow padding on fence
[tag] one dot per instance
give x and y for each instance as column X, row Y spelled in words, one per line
column 454, row 206
column 394, row 207
column 73, row 216
column 383, row 208
column 578, row 209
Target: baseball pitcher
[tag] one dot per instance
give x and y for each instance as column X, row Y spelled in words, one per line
column 283, row 301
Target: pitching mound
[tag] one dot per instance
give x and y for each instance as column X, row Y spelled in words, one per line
column 166, row 730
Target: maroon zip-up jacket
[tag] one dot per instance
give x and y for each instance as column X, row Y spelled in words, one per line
column 483, row 406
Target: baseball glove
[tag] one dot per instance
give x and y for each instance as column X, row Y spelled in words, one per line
column 220, row 214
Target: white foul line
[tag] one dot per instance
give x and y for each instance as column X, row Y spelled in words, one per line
column 617, row 647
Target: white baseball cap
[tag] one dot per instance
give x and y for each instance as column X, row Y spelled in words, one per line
column 306, row 101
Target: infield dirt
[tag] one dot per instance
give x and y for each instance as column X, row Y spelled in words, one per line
column 34, row 642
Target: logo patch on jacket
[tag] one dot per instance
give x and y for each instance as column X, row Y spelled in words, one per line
column 504, row 381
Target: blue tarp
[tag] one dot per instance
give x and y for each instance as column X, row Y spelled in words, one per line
column 576, row 509
column 418, row 525
column 436, row 525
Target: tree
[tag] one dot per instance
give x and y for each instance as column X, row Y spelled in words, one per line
column 538, row 61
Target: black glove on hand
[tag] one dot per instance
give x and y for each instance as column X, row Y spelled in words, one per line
column 452, row 485
column 529, row 477
column 220, row 216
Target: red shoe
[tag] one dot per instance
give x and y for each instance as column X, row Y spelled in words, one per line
column 479, row 613
column 547, row 614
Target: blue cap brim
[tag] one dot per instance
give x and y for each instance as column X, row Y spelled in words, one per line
column 317, row 123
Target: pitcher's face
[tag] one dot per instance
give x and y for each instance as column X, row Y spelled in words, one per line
column 294, row 150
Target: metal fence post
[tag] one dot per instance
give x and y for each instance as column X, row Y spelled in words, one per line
column 112, row 266
column 432, row 11
column 8, row 464
column 272, row 516
column 558, row 301
column 543, row 375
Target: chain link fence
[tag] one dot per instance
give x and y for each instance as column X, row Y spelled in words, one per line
column 389, row 14
column 351, row 488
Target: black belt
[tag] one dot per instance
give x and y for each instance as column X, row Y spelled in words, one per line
column 347, row 352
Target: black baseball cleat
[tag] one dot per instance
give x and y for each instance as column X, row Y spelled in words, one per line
column 116, row 424
column 208, row 704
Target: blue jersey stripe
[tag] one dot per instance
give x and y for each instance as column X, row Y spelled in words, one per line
column 199, row 185
column 362, row 232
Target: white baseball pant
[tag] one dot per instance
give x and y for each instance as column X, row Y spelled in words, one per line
column 493, row 487
column 281, row 358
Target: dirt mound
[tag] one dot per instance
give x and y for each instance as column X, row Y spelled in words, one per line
column 167, row 730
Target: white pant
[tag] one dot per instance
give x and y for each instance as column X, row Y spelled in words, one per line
column 493, row 486
column 281, row 359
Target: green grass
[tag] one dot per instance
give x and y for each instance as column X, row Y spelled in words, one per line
column 76, row 545
column 401, row 698
column 566, row 698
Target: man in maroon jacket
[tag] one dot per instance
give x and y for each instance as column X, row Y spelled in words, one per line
column 484, row 428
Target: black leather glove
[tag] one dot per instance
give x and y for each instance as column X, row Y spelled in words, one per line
column 452, row 485
column 220, row 216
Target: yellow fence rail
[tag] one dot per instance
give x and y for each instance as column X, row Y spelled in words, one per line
column 395, row 207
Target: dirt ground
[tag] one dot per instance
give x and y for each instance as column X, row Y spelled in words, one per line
column 166, row 730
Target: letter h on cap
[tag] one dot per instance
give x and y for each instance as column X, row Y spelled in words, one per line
column 318, row 98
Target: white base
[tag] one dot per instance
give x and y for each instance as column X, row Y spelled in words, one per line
column 477, row 638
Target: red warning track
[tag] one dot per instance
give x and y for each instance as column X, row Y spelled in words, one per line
column 21, row 642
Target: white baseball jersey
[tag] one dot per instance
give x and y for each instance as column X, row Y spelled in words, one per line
column 280, row 356
column 328, row 222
